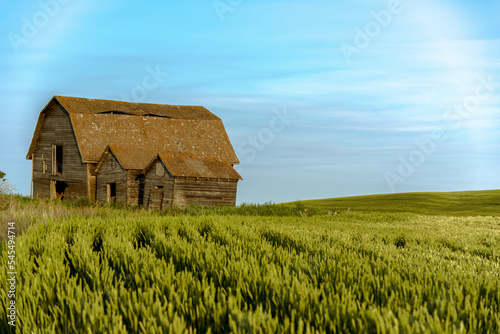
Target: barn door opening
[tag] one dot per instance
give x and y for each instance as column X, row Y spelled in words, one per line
column 57, row 189
column 111, row 193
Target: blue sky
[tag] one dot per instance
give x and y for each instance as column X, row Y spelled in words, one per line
column 319, row 98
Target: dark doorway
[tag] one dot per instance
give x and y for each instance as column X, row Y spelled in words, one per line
column 111, row 192
column 59, row 159
column 142, row 181
column 60, row 189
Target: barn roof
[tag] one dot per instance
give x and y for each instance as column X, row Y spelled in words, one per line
column 128, row 157
column 188, row 165
column 180, row 165
column 153, row 127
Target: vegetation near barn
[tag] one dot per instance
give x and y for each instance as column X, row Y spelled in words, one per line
column 6, row 187
column 254, row 268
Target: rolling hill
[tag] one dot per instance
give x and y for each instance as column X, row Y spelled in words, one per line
column 463, row 203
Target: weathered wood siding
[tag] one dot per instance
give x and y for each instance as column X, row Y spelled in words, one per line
column 204, row 192
column 152, row 196
column 91, row 182
column 111, row 172
column 135, row 186
column 57, row 130
column 41, row 188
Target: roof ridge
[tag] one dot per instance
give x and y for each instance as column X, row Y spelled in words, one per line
column 129, row 102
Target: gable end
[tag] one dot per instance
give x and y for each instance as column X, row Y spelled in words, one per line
column 39, row 126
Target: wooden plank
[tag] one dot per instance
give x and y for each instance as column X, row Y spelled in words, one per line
column 91, row 182
column 135, row 188
column 204, row 192
column 53, row 193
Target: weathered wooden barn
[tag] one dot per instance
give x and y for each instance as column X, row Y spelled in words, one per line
column 136, row 153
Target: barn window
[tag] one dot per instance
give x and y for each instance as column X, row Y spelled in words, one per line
column 158, row 187
column 160, row 171
column 111, row 193
column 57, row 159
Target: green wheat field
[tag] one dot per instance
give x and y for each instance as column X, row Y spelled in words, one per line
column 400, row 263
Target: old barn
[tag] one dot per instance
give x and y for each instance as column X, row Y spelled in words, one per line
column 142, row 154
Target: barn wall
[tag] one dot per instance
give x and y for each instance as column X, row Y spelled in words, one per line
column 135, row 186
column 111, row 172
column 204, row 192
column 57, row 129
column 91, row 182
column 152, row 179
column 41, row 188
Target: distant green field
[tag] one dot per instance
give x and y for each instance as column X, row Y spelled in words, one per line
column 463, row 203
